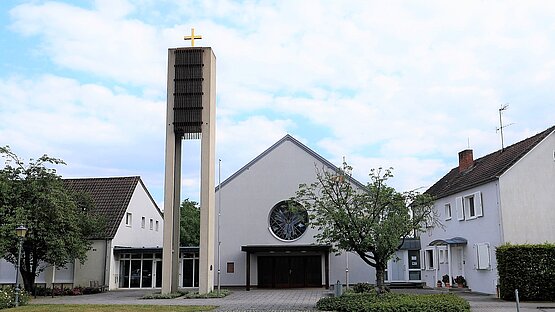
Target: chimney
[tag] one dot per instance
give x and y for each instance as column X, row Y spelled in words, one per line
column 466, row 160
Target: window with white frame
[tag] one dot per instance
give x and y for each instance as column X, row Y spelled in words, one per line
column 143, row 222
column 443, row 256
column 429, row 258
column 157, row 225
column 128, row 219
column 482, row 256
column 469, row 206
column 151, row 224
column 447, row 211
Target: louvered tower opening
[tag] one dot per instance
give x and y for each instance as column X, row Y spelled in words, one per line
column 188, row 93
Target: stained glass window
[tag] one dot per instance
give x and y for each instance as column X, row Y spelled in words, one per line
column 288, row 220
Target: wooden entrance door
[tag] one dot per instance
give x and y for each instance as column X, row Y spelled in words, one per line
column 289, row 271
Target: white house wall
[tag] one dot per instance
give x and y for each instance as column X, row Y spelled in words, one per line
column 528, row 195
column 92, row 270
column 246, row 204
column 484, row 229
column 134, row 235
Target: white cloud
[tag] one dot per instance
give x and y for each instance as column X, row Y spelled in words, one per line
column 400, row 83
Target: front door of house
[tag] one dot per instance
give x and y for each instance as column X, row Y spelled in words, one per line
column 399, row 266
column 457, row 261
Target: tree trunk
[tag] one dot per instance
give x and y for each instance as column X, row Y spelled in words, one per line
column 28, row 280
column 380, row 277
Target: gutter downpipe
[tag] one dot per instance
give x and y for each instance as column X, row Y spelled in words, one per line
column 105, row 263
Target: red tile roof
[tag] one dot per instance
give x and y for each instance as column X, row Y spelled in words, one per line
column 110, row 196
column 485, row 169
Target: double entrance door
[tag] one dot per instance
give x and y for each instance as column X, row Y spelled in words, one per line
column 289, row 271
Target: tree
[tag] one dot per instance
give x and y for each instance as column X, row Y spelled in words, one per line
column 58, row 221
column 189, row 223
column 371, row 221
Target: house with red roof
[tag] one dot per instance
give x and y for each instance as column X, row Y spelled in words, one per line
column 507, row 196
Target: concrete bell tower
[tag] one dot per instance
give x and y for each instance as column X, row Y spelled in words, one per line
column 190, row 115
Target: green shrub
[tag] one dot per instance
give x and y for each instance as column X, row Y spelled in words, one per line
column 158, row 295
column 363, row 288
column 7, row 298
column 390, row 302
column 528, row 268
column 212, row 294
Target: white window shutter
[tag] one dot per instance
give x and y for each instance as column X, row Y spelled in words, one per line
column 478, row 204
column 459, row 208
column 482, row 253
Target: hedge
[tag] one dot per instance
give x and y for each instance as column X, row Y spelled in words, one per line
column 391, row 302
column 528, row 268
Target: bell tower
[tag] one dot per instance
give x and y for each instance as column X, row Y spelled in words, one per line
column 191, row 110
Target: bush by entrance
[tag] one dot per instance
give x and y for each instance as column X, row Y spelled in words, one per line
column 371, row 302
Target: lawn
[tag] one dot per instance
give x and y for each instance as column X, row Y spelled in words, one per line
column 106, row 308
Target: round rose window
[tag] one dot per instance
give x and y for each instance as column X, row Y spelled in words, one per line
column 288, row 220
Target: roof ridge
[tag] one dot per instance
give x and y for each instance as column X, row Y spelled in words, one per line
column 536, row 136
column 486, row 168
column 302, row 146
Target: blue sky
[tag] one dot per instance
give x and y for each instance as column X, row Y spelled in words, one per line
column 403, row 84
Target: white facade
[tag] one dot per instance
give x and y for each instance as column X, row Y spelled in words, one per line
column 514, row 207
column 484, row 230
column 247, row 198
column 527, row 192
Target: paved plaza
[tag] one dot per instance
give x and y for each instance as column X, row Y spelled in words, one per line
column 279, row 300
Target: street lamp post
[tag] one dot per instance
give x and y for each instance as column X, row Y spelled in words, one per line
column 20, row 231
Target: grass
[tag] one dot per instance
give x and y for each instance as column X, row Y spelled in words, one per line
column 106, row 308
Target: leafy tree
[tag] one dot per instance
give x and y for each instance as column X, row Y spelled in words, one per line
column 371, row 221
column 190, row 223
column 58, row 221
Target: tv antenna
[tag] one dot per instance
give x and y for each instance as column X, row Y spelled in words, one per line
column 501, row 126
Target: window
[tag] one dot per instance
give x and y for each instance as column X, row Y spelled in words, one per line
column 482, row 256
column 128, row 219
column 447, row 211
column 469, row 206
column 231, row 267
column 429, row 255
column 473, row 205
column 157, row 225
column 143, row 221
column 443, row 255
column 288, row 220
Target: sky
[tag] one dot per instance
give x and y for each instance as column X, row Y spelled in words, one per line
column 402, row 84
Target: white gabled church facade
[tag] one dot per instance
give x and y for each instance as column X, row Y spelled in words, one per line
column 252, row 254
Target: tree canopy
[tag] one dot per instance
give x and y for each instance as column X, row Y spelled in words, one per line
column 371, row 221
column 59, row 222
column 189, row 223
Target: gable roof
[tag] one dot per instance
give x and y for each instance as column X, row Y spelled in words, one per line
column 485, row 169
column 110, row 196
column 273, row 147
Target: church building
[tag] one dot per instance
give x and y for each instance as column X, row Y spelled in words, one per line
column 267, row 244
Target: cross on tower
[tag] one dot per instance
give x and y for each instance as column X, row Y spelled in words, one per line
column 192, row 37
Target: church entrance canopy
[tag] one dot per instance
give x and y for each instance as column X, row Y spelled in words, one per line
column 288, row 266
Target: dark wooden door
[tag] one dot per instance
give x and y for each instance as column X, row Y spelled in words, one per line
column 289, row 271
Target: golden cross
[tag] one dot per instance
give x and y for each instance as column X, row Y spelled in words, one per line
column 192, row 37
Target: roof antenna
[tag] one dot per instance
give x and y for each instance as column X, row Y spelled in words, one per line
column 468, row 142
column 501, row 126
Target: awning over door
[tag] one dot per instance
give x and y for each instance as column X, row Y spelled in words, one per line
column 451, row 241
